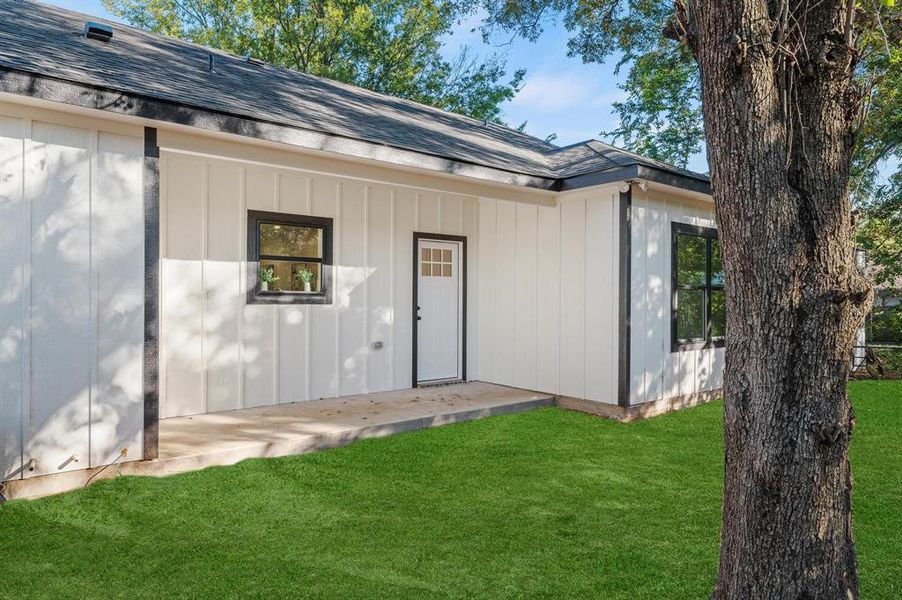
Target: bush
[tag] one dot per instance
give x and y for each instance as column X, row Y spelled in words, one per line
column 885, row 324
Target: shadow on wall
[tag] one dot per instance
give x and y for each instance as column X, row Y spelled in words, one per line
column 219, row 353
column 71, row 298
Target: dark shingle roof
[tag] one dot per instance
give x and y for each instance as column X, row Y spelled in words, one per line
column 48, row 41
column 592, row 156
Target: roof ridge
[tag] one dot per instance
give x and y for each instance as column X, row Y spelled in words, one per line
column 557, row 149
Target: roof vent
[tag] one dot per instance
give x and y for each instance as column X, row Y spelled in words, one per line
column 98, row 31
column 211, row 62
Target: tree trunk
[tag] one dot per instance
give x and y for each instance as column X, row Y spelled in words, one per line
column 779, row 108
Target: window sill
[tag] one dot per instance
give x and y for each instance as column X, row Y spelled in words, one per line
column 258, row 297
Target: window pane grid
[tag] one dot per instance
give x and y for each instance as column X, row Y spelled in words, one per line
column 290, row 258
column 436, row 262
column 698, row 315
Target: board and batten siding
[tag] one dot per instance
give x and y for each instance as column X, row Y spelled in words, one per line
column 71, row 291
column 219, row 353
column 548, row 301
column 656, row 373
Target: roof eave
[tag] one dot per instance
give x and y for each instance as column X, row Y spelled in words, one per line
column 675, row 179
column 73, row 93
column 635, row 171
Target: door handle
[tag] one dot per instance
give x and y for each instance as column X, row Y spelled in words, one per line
column 419, row 318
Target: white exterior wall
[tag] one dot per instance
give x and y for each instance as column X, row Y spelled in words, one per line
column 219, row 353
column 542, row 284
column 655, row 372
column 548, row 299
column 71, row 291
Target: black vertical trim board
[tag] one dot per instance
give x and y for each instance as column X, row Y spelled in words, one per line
column 417, row 236
column 625, row 268
column 151, row 294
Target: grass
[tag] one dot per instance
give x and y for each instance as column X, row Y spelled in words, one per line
column 541, row 504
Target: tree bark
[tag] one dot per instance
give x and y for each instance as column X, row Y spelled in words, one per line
column 779, row 109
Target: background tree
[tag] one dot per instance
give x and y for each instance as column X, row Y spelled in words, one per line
column 661, row 116
column 786, row 88
column 389, row 46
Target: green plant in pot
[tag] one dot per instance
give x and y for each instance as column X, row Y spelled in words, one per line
column 267, row 277
column 305, row 276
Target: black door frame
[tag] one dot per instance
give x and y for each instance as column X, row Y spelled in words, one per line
column 439, row 237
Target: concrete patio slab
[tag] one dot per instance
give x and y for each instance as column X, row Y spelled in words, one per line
column 200, row 441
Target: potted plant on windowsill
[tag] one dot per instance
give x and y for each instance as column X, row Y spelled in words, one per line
column 305, row 276
column 267, row 277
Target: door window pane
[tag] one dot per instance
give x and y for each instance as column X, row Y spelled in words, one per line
column 691, row 314
column 691, row 259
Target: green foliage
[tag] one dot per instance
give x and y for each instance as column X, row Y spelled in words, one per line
column 661, row 116
column 268, row 274
column 890, row 357
column 880, row 134
column 884, row 325
column 305, row 275
column 544, row 504
column 880, row 232
column 389, row 46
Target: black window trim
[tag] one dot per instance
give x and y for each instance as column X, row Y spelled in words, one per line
column 254, row 296
column 709, row 234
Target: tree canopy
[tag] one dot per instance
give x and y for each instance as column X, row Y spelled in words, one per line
column 661, row 116
column 389, row 46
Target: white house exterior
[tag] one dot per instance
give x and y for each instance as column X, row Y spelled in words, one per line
column 130, row 286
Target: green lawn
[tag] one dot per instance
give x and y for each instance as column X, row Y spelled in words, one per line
column 541, row 504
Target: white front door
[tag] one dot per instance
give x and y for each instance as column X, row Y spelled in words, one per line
column 439, row 316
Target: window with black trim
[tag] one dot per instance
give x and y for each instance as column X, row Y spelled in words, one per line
column 289, row 258
column 698, row 301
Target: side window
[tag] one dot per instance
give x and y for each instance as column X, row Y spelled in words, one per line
column 698, row 305
column 289, row 259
